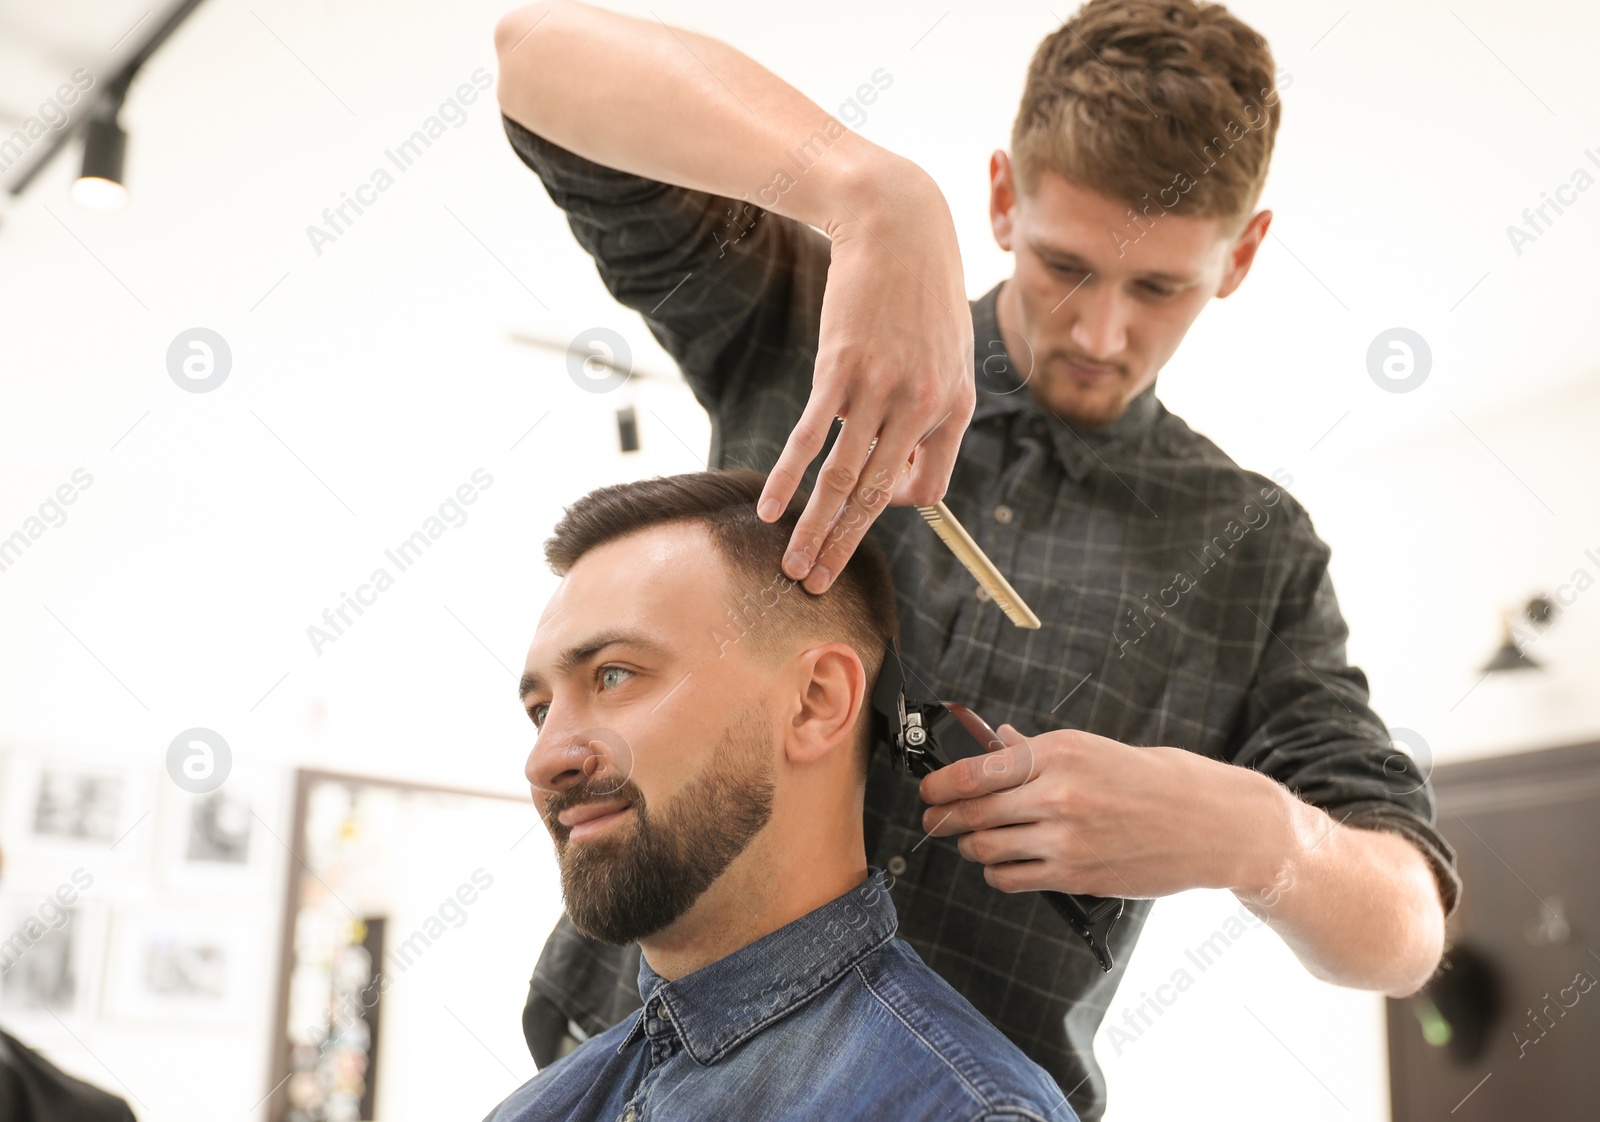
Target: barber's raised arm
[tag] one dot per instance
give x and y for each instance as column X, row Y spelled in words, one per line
column 894, row 353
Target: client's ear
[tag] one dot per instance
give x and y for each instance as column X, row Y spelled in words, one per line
column 830, row 690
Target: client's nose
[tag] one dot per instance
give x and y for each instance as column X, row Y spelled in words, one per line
column 560, row 760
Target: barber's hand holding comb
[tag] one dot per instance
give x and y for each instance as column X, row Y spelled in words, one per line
column 894, row 359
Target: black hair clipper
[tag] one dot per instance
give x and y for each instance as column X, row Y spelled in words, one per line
column 924, row 736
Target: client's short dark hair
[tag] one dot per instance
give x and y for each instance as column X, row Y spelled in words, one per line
column 766, row 609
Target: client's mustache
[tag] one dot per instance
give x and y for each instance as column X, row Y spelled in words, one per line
column 591, row 789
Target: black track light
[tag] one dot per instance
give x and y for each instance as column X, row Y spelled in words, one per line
column 104, row 145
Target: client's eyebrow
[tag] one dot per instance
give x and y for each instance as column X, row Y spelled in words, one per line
column 575, row 656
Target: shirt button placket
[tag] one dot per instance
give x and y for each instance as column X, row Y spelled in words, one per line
column 658, row 1027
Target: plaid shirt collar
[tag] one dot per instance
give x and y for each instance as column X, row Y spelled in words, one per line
column 1002, row 393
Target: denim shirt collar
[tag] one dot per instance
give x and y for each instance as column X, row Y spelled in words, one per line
column 719, row 1006
column 1002, row 392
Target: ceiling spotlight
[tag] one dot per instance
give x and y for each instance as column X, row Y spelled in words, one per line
column 1540, row 611
column 104, row 144
column 628, row 428
column 100, row 186
column 1509, row 656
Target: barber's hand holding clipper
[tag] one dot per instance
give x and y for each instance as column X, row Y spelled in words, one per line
column 1068, row 811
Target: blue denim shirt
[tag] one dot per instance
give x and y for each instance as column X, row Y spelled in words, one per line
column 829, row 1017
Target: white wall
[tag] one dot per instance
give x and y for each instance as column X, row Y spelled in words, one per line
column 371, row 380
column 1431, row 537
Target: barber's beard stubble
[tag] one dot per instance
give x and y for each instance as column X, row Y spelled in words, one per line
column 624, row 888
column 1079, row 406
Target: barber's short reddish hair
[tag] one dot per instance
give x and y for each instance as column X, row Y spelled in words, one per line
column 1130, row 96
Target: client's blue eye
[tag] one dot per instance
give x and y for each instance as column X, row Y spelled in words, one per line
column 605, row 670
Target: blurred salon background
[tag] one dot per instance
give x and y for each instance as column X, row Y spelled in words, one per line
column 241, row 775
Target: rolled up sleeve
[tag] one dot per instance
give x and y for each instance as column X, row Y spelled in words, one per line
column 1307, row 721
column 714, row 278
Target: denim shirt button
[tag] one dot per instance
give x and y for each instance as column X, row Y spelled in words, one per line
column 628, row 1115
column 897, row 866
column 1003, row 514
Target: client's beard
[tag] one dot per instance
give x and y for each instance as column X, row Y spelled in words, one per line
column 621, row 889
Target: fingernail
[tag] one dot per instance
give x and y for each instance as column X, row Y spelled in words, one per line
column 768, row 510
column 797, row 562
column 817, row 580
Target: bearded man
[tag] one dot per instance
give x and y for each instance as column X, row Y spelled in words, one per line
column 701, row 761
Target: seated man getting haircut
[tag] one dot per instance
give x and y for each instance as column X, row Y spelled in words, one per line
column 703, row 732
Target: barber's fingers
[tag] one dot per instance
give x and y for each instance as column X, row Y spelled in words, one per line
column 917, row 433
column 809, row 435
column 881, row 476
column 837, row 484
column 899, row 453
column 845, row 502
column 969, row 779
column 1030, row 841
column 933, row 460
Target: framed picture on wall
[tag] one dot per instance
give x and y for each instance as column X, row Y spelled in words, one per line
column 50, row 959
column 179, row 967
column 68, row 810
column 219, row 841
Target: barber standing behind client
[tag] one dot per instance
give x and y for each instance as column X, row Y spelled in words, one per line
column 1186, row 717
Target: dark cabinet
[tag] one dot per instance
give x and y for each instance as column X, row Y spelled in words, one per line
column 1512, row 1028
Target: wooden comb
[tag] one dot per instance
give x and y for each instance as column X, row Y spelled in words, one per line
column 954, row 535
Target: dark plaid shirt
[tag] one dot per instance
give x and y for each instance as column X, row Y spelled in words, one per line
column 1186, row 602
